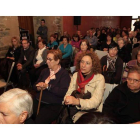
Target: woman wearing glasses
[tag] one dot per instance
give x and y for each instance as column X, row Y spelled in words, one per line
column 86, row 89
column 54, row 81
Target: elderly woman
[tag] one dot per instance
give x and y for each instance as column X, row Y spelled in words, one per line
column 39, row 61
column 54, row 81
column 87, row 86
column 66, row 50
column 84, row 47
column 112, row 65
column 16, row 107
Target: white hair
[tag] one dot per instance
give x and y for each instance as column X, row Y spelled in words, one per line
column 21, row 101
column 120, row 38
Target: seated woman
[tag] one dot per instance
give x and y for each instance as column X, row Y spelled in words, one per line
column 12, row 55
column 39, row 62
column 87, row 86
column 16, row 107
column 66, row 50
column 105, row 44
column 112, row 65
column 52, row 43
column 123, row 53
column 84, row 47
column 76, row 43
column 55, row 82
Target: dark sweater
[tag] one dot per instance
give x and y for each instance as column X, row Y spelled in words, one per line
column 57, row 87
column 123, row 105
column 29, row 54
column 117, row 75
column 14, row 53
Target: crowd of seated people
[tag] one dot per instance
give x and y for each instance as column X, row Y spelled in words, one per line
column 45, row 66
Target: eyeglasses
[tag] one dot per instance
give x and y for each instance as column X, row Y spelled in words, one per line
column 135, row 81
column 50, row 59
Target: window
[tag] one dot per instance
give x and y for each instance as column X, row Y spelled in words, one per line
column 134, row 18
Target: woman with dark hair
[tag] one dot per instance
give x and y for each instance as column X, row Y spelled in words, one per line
column 54, row 81
column 52, row 43
column 84, row 47
column 57, row 38
column 105, row 44
column 86, row 89
column 112, row 65
column 98, row 35
column 39, row 61
column 66, row 50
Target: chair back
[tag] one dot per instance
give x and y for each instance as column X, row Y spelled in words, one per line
column 100, row 54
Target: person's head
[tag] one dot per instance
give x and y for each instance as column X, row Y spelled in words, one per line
column 131, row 34
column 15, row 41
column 121, row 42
column 25, row 44
column 76, row 37
column 124, row 32
column 103, row 31
column 124, row 28
column 16, row 105
column 125, row 38
column 90, row 33
column 65, row 33
column 79, row 32
column 98, row 32
column 133, row 79
column 42, row 22
column 39, row 38
column 117, row 36
column 138, row 55
column 84, row 45
column 129, row 29
column 94, row 118
column 52, row 38
column 113, row 49
column 41, row 44
column 65, row 40
column 88, row 62
column 56, row 35
column 109, row 37
column 87, row 33
column 54, row 58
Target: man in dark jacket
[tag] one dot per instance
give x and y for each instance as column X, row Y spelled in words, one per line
column 43, row 30
column 123, row 103
column 25, row 62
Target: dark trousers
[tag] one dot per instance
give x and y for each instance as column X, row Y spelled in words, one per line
column 65, row 63
column 47, row 114
column 35, row 72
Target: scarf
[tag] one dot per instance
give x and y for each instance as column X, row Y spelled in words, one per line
column 111, row 63
column 52, row 75
column 81, row 81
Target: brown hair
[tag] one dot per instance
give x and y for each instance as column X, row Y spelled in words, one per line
column 18, row 42
column 85, row 40
column 53, row 36
column 57, row 54
column 96, row 66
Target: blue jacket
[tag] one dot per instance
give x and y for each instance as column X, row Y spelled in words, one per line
column 66, row 51
column 52, row 45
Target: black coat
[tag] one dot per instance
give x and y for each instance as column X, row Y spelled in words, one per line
column 14, row 53
column 124, row 54
column 117, row 105
column 117, row 75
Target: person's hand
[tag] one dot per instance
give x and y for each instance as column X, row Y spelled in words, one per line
column 19, row 66
column 36, row 65
column 70, row 100
column 41, row 85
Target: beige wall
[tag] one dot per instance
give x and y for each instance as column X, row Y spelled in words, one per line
column 54, row 24
column 9, row 27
